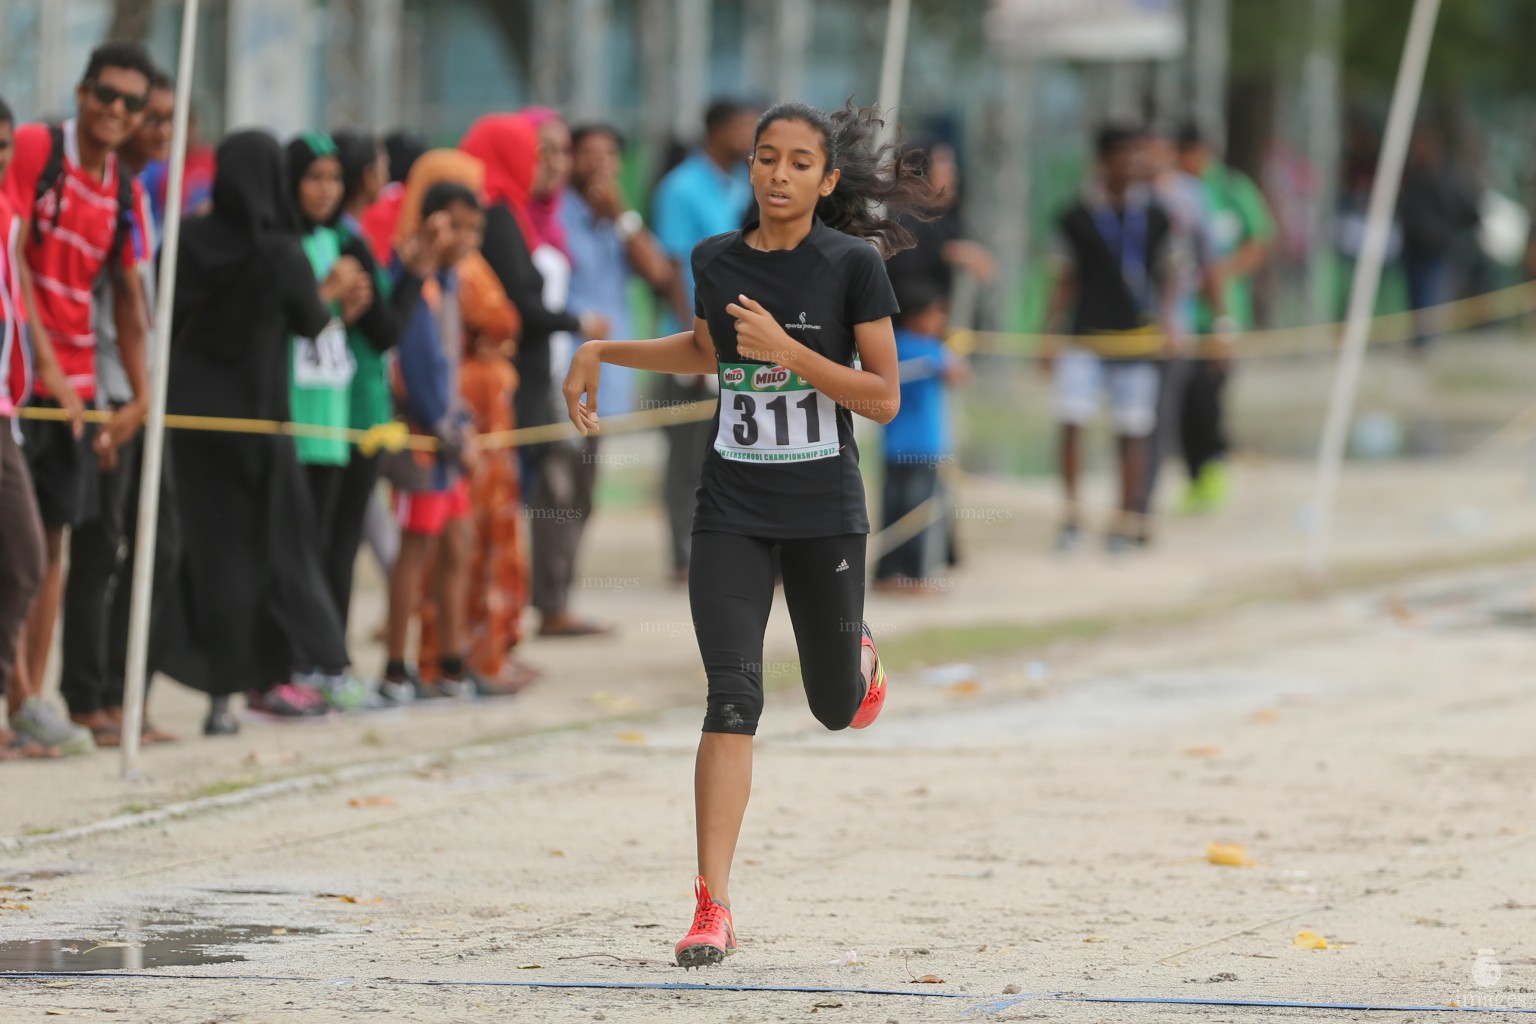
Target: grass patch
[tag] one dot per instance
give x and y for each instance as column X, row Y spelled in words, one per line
column 372, row 738
column 135, row 808
column 222, row 787
column 41, row 830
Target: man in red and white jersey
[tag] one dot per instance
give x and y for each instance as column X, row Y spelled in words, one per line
column 77, row 208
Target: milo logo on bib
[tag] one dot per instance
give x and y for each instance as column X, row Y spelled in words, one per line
column 771, row 414
column 770, row 378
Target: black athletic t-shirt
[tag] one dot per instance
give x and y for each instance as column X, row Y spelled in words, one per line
column 1140, row 237
column 783, row 462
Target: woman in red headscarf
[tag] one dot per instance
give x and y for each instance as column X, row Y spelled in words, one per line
column 508, row 146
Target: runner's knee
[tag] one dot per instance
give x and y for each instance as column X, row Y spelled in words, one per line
column 735, row 701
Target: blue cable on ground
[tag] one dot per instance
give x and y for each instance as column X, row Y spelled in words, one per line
column 987, row 1006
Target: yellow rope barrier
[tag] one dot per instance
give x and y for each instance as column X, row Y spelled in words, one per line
column 1286, row 341
column 1389, row 328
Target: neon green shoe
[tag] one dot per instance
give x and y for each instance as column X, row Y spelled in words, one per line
column 1216, row 483
column 1195, row 502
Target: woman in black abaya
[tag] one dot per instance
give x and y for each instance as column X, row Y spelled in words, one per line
column 252, row 601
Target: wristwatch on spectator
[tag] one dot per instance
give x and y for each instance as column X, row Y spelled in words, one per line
column 628, row 224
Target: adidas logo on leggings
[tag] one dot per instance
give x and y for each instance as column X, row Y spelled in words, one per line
column 841, row 567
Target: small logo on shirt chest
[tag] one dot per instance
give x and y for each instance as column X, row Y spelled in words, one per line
column 802, row 325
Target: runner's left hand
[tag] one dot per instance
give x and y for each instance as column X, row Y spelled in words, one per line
column 758, row 334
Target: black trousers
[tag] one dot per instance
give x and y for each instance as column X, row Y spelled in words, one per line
column 167, row 558
column 687, row 445
column 908, row 485
column 349, row 507
column 98, row 592
column 1173, row 381
column 1202, row 421
column 730, row 591
column 93, row 585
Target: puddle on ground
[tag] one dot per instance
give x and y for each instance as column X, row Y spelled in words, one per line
column 173, row 949
column 1508, row 603
column 34, row 876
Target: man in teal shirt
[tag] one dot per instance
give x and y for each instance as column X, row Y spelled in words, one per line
column 1242, row 233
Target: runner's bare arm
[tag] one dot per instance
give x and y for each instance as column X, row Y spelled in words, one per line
column 687, row 352
column 873, row 390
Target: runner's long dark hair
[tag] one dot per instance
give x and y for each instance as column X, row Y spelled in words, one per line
column 878, row 185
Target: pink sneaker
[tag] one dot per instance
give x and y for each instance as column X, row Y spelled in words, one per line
column 288, row 700
column 712, row 937
column 874, row 694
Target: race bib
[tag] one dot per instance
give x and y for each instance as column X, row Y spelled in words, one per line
column 768, row 414
column 323, row 361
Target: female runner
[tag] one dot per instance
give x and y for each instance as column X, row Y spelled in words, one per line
column 793, row 312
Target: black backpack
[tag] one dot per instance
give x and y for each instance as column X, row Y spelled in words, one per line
column 52, row 180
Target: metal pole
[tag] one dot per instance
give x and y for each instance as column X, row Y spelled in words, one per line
column 1362, row 296
column 1322, row 120
column 593, row 18
column 793, row 31
column 690, row 66
column 1210, row 56
column 154, row 430
column 893, row 64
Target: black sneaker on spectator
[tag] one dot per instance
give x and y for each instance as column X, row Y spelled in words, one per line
column 398, row 691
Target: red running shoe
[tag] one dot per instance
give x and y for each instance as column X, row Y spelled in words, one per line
column 874, row 692
column 712, row 937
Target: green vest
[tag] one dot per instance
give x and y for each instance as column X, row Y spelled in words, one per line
column 323, row 368
column 371, row 400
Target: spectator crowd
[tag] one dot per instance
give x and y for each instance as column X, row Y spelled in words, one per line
column 344, row 282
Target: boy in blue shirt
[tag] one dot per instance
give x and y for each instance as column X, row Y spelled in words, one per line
column 918, row 440
column 431, row 490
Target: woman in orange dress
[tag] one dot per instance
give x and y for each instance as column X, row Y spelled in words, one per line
column 499, row 577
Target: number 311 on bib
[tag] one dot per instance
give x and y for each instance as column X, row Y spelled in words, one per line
column 769, row 414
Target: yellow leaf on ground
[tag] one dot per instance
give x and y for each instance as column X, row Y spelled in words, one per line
column 1233, row 855
column 966, row 688
column 279, row 931
column 1202, row 751
column 373, row 801
column 930, row 979
column 1309, row 940
column 530, row 967
column 13, row 905
column 631, row 737
column 557, row 852
column 1096, row 938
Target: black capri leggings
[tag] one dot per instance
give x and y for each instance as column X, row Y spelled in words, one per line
column 730, row 588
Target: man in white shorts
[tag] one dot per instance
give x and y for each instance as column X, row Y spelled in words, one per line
column 1114, row 257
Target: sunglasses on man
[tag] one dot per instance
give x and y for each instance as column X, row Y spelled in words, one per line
column 106, row 95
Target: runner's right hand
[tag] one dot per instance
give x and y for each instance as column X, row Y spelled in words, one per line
column 586, row 369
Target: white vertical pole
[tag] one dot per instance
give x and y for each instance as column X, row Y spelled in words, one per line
column 690, row 66
column 1323, row 103
column 52, row 90
column 154, row 430
column 793, row 32
column 1362, row 296
column 893, row 64
column 592, row 65
column 1211, row 47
